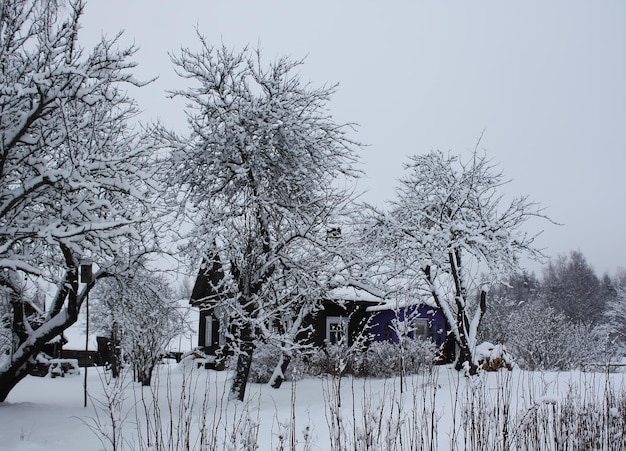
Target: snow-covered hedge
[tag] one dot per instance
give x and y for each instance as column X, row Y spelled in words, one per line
column 386, row 359
column 378, row 359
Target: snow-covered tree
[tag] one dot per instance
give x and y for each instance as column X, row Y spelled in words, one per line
column 74, row 178
column 450, row 233
column 615, row 313
column 538, row 336
column 140, row 316
column 261, row 172
column 570, row 285
column 519, row 291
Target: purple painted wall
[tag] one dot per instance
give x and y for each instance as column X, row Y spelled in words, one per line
column 381, row 322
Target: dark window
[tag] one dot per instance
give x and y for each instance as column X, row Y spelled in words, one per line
column 336, row 329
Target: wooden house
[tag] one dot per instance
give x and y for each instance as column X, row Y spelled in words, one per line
column 347, row 313
column 212, row 318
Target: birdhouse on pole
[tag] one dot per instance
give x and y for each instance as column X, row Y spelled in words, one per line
column 86, row 271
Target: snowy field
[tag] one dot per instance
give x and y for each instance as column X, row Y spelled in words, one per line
column 190, row 410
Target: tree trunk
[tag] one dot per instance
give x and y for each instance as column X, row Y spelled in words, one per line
column 12, row 376
column 465, row 358
column 23, row 359
column 21, row 366
column 279, row 372
column 144, row 375
column 116, row 358
column 244, row 362
column 466, row 344
column 30, row 344
column 114, row 351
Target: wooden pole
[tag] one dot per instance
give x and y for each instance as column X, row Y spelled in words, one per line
column 86, row 350
column 86, row 276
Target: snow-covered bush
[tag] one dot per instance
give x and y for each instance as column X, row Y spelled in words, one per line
column 379, row 359
column 139, row 315
column 541, row 338
column 264, row 361
column 334, row 360
column 387, row 359
column 267, row 358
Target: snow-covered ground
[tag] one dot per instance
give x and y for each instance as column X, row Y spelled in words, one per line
column 45, row 413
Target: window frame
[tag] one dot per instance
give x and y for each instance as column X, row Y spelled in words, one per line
column 208, row 330
column 340, row 335
column 420, row 328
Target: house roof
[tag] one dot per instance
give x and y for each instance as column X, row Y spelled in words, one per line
column 395, row 305
column 209, row 276
column 353, row 294
column 400, row 298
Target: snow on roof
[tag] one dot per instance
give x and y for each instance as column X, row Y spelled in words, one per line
column 394, row 304
column 381, row 304
column 353, row 294
column 75, row 335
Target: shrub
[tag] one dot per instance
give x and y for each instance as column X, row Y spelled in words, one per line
column 387, row 359
column 379, row 359
column 266, row 357
column 334, row 360
column 543, row 339
column 264, row 360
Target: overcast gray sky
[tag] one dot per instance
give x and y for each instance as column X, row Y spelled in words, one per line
column 545, row 80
